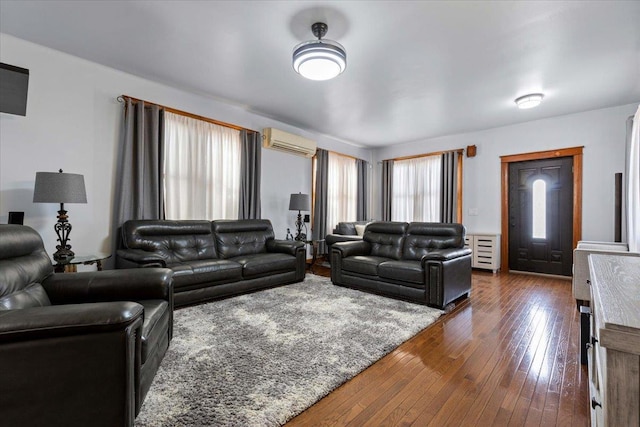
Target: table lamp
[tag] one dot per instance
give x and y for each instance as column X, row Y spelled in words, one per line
column 300, row 202
column 59, row 187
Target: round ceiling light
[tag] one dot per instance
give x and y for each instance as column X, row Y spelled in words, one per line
column 529, row 101
column 319, row 59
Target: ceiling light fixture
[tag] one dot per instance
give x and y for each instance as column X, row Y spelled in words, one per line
column 529, row 101
column 319, row 59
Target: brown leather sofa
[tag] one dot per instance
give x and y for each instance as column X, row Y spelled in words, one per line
column 213, row 259
column 420, row 262
column 77, row 349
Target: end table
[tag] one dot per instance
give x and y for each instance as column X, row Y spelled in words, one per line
column 71, row 265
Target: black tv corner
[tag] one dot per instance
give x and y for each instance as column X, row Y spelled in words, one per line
column 14, row 83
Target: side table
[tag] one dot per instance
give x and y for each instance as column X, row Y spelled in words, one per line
column 314, row 251
column 71, row 265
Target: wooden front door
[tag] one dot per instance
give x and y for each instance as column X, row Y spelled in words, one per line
column 541, row 216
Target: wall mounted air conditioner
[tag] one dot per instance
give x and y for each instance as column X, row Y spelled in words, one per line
column 284, row 141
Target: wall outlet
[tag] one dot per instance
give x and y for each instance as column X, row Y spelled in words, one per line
column 473, row 211
column 307, row 218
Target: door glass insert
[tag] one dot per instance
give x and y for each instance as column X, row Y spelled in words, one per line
column 539, row 206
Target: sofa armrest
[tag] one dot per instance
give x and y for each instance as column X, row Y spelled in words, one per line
column 284, row 246
column 346, row 249
column 66, row 320
column 335, row 238
column 341, row 250
column 112, row 285
column 54, row 357
column 447, row 280
column 128, row 258
column 445, row 254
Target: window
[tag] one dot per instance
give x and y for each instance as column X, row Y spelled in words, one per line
column 539, row 209
column 201, row 169
column 416, row 191
column 341, row 189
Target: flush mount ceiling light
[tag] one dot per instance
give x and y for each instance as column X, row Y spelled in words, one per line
column 319, row 59
column 529, row 101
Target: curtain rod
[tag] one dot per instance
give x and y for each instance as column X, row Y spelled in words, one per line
column 435, row 153
column 343, row 155
column 121, row 98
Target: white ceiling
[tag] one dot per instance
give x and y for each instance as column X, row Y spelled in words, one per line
column 415, row 69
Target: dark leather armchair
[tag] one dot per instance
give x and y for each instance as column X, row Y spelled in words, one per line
column 76, row 349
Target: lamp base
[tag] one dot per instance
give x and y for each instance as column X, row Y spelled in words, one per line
column 63, row 254
column 63, row 229
column 300, row 236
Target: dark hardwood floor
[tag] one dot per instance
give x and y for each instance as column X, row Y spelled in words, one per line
column 508, row 356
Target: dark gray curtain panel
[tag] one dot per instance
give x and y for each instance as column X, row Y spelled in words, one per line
column 387, row 186
column 449, row 190
column 138, row 186
column 250, row 175
column 362, row 209
column 320, row 205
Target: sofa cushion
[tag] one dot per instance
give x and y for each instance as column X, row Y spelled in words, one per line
column 205, row 271
column 360, row 229
column 242, row 237
column 258, row 265
column 33, row 295
column 155, row 325
column 406, row 271
column 345, row 228
column 174, row 241
column 363, row 264
column 423, row 237
column 386, row 238
column 23, row 263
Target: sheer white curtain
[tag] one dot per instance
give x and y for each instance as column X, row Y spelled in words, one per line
column 633, row 186
column 416, row 189
column 201, row 169
column 342, row 189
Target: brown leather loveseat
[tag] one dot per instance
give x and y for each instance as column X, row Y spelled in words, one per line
column 78, row 349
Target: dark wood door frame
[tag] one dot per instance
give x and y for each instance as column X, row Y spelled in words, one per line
column 576, row 153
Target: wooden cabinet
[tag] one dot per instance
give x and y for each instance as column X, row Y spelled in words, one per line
column 486, row 250
column 614, row 354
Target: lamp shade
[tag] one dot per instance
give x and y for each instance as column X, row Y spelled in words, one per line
column 300, row 202
column 59, row 187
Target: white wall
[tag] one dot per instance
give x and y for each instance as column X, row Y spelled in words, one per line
column 73, row 122
column 601, row 132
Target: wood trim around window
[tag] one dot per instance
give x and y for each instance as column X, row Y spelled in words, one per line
column 186, row 114
column 435, row 153
column 576, row 153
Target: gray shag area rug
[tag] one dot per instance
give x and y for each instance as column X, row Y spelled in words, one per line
column 262, row 358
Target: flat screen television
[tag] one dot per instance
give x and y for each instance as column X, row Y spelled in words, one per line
column 14, row 82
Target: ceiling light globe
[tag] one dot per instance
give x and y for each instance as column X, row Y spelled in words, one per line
column 319, row 69
column 319, row 59
column 529, row 101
